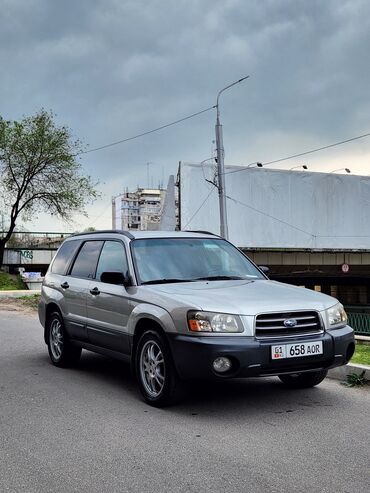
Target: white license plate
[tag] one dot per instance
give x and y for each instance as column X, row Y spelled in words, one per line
column 296, row 350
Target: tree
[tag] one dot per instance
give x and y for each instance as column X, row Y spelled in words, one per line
column 40, row 172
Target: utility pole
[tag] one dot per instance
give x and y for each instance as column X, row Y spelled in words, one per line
column 220, row 165
column 147, row 174
column 224, row 230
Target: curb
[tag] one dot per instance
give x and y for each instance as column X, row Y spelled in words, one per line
column 341, row 372
column 362, row 339
column 19, row 293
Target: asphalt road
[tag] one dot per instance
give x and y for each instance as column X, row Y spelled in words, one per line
column 87, row 430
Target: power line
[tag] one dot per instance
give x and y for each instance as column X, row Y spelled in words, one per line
column 199, row 208
column 270, row 216
column 249, row 207
column 292, row 226
column 99, row 216
column 303, row 153
column 272, row 162
column 146, row 133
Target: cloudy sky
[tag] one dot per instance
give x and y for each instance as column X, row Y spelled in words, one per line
column 111, row 69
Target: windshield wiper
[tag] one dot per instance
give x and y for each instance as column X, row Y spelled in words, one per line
column 221, row 278
column 164, row 281
column 208, row 278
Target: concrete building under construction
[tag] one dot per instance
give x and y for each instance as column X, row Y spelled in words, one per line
column 140, row 210
column 146, row 209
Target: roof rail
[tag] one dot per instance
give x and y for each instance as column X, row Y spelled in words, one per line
column 105, row 231
column 202, row 232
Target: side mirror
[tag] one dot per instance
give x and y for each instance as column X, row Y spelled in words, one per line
column 264, row 269
column 115, row 278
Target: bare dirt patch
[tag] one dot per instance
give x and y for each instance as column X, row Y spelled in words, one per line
column 19, row 305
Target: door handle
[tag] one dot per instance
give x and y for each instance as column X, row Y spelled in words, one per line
column 64, row 285
column 95, row 291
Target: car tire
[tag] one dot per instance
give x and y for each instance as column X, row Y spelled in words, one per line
column 155, row 372
column 62, row 353
column 304, row 380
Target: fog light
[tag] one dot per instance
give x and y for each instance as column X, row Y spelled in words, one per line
column 222, row 364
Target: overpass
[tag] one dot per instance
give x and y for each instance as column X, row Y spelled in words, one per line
column 31, row 250
column 31, row 259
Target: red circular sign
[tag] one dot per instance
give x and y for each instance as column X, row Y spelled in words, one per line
column 345, row 268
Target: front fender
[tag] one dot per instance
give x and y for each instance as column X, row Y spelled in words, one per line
column 153, row 312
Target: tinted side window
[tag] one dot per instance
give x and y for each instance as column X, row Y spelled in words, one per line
column 112, row 259
column 63, row 256
column 85, row 263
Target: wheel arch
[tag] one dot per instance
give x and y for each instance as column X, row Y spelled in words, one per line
column 143, row 325
column 50, row 308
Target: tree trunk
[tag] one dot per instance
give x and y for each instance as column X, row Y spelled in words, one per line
column 2, row 247
column 5, row 239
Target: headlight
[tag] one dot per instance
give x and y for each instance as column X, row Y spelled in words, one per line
column 214, row 322
column 336, row 316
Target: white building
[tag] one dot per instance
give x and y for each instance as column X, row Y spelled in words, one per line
column 139, row 210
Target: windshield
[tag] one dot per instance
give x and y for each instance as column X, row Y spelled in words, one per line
column 161, row 260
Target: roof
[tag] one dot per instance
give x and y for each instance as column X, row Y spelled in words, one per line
column 170, row 234
column 149, row 234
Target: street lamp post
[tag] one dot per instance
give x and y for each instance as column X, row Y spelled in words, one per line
column 255, row 165
column 304, row 166
column 347, row 170
column 220, row 164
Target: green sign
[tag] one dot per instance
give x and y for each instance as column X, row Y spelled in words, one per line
column 27, row 254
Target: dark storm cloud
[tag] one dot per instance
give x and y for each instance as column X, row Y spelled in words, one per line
column 114, row 68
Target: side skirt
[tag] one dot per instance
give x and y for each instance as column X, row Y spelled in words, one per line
column 103, row 351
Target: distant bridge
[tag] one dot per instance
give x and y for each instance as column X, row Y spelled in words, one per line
column 32, row 250
column 31, row 259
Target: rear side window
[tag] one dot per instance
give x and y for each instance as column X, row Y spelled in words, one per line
column 112, row 259
column 87, row 258
column 63, row 256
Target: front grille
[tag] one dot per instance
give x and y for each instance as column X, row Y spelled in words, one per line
column 272, row 324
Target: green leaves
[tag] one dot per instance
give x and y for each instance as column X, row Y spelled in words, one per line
column 356, row 379
column 39, row 169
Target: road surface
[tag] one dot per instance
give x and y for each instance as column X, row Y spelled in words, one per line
column 87, row 430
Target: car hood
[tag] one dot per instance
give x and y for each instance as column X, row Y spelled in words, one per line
column 243, row 297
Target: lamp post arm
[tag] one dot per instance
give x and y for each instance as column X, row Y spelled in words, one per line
column 228, row 87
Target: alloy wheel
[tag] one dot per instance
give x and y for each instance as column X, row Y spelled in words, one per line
column 152, row 368
column 56, row 339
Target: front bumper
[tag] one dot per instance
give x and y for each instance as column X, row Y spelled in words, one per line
column 193, row 355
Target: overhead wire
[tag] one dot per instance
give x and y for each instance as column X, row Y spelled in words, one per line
column 270, row 216
column 301, row 153
column 292, row 226
column 121, row 141
column 272, row 162
column 199, row 208
column 147, row 132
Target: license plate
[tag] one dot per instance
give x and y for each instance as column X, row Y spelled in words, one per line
column 296, row 350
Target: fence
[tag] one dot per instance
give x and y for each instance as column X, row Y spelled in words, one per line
column 34, row 239
column 359, row 320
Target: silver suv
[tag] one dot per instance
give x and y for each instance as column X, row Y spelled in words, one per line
column 186, row 305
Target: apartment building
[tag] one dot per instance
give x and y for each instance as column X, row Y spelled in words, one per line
column 140, row 210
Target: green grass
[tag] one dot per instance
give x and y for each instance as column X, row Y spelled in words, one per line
column 362, row 355
column 31, row 301
column 10, row 282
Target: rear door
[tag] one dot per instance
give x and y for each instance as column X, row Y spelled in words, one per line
column 108, row 305
column 76, row 287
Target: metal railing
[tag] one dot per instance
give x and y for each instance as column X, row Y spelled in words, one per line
column 360, row 322
column 35, row 239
